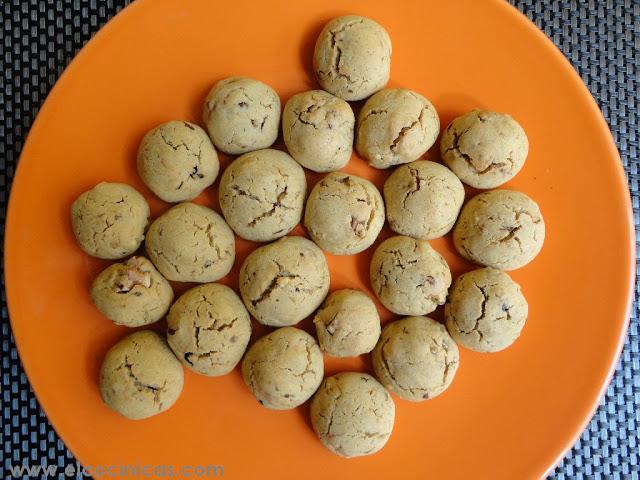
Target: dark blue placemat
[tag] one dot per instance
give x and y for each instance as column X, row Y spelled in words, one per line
column 40, row 37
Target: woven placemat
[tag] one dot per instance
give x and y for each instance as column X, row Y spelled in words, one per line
column 600, row 38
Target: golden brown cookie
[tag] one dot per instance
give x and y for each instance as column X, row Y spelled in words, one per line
column 485, row 149
column 352, row 57
column 352, row 414
column 502, row 229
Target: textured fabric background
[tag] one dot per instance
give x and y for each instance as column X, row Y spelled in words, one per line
column 40, row 37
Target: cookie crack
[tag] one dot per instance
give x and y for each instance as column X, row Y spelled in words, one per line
column 404, row 130
column 274, row 207
column 144, row 387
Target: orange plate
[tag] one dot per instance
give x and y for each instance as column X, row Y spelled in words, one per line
column 507, row 415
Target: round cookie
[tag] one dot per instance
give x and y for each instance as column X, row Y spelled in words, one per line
column 262, row 195
column 140, row 377
column 344, row 213
column 132, row 293
column 347, row 324
column 415, row 358
column 485, row 149
column 191, row 243
column 177, row 161
column 242, row 115
column 352, row 57
column 109, row 220
column 318, row 130
column 352, row 414
column 502, row 229
column 408, row 276
column 285, row 281
column 486, row 310
column 208, row 329
column 423, row 199
column 283, row 369
column 396, row 126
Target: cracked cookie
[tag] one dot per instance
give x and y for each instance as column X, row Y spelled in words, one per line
column 109, row 220
column 415, row 358
column 344, row 213
column 352, row 57
column 408, row 276
column 396, row 126
column 285, row 281
column 191, row 243
column 486, row 310
column 262, row 195
column 242, row 115
column 347, row 324
column 132, row 293
column 318, row 130
column 352, row 414
column 208, row 329
column 484, row 149
column 503, row 229
column 140, row 377
column 423, row 199
column 177, row 161
column 283, row 369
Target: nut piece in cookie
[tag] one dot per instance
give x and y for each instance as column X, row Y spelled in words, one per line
column 177, row 161
column 484, row 149
column 318, row 130
column 109, row 220
column 132, row 293
column 191, row 243
column 485, row 310
column 415, row 358
column 347, row 324
column 352, row 57
column 502, row 229
column 262, row 195
column 208, row 329
column 396, row 126
column 140, row 377
column 423, row 199
column 242, row 115
column 344, row 213
column 352, row 414
column 284, row 368
column 285, row 281
column 408, row 276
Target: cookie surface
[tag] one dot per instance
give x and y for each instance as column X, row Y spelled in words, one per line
column 485, row 149
column 242, row 115
column 177, row 161
column 423, row 199
column 408, row 276
column 262, row 195
column 502, row 229
column 415, row 358
column 396, row 126
column 352, row 414
column 284, row 368
column 285, row 281
column 132, row 293
column 140, row 377
column 344, row 213
column 486, row 310
column 191, row 243
column 109, row 220
column 317, row 128
column 208, row 329
column 347, row 324
column 352, row 57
